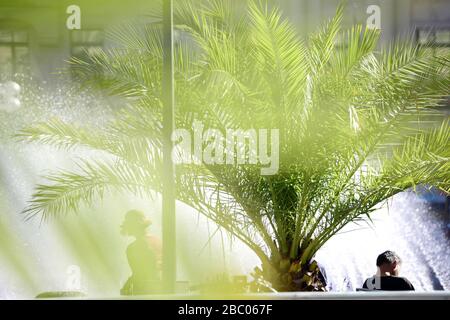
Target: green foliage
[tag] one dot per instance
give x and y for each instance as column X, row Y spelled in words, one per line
column 349, row 117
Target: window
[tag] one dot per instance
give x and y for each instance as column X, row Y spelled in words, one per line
column 82, row 41
column 14, row 52
column 436, row 39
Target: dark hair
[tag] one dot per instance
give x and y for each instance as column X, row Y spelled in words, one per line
column 388, row 257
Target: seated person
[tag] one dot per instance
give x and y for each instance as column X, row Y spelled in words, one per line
column 388, row 264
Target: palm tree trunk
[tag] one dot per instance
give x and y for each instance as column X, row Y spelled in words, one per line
column 289, row 275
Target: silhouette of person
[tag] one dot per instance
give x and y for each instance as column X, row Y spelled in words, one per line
column 143, row 254
column 387, row 278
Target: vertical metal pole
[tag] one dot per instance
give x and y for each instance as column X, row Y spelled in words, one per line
column 168, row 187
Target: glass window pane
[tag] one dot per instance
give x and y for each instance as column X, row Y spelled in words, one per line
column 84, row 51
column 6, row 68
column 76, row 36
column 22, row 60
column 93, row 49
column 78, row 51
column 87, row 36
column 20, row 36
column 424, row 36
column 5, row 36
column 95, row 36
column 443, row 37
column 21, row 53
column 14, row 52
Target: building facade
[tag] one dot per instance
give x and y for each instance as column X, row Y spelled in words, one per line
column 34, row 36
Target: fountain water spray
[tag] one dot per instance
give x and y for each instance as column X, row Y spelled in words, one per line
column 9, row 96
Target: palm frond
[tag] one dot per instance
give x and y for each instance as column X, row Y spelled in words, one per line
column 66, row 190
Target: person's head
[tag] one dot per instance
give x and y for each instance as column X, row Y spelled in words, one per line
column 135, row 223
column 389, row 262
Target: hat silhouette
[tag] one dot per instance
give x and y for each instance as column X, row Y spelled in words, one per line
column 136, row 219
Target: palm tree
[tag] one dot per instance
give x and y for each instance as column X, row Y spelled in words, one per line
column 348, row 115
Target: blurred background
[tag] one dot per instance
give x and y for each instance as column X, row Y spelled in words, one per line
column 85, row 251
column 33, row 36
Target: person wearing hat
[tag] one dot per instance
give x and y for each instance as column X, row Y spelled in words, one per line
column 143, row 254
